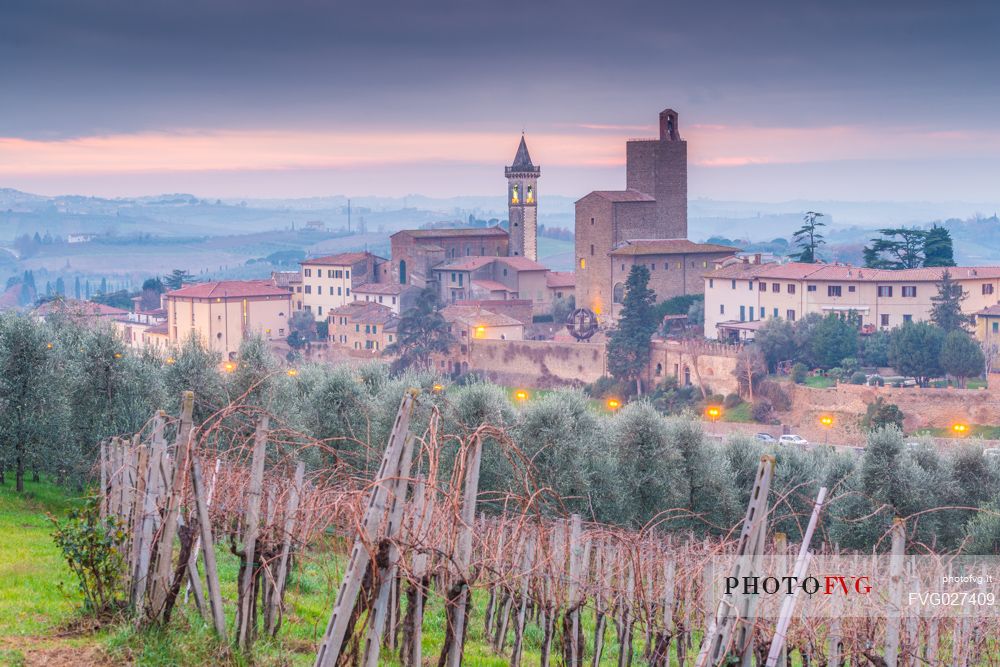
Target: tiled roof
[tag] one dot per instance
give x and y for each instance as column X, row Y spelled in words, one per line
column 560, row 279
column 76, row 308
column 457, row 231
column 343, row 259
column 466, row 264
column 522, row 160
column 229, row 289
column 669, row 247
column 158, row 329
column 285, row 278
column 992, row 311
column 844, row 272
column 622, row 195
column 477, row 317
column 365, row 312
column 521, row 263
column 382, row 288
column 491, row 285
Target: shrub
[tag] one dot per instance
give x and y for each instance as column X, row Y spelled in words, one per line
column 732, row 400
column 773, row 392
column 837, row 373
column 876, row 381
column 881, row 414
column 715, row 399
column 606, row 385
column 849, row 364
column 857, row 377
column 92, row 547
column 763, row 410
column 799, row 372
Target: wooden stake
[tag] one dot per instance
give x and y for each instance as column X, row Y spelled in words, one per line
column 208, row 549
column 245, row 632
column 274, row 617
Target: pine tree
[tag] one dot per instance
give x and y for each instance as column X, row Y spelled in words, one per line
column 938, row 247
column 946, row 311
column 628, row 348
column 422, row 331
column 808, row 238
column 898, row 248
column 962, row 357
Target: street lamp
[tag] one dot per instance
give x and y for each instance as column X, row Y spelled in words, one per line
column 292, row 372
column 437, row 388
column 229, row 367
column 713, row 412
column 521, row 395
column 171, row 361
column 960, row 429
column 827, row 422
column 613, row 404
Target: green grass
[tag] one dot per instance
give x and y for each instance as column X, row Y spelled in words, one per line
column 820, row 382
column 741, row 413
column 985, row 431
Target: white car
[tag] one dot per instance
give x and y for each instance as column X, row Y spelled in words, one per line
column 792, row 439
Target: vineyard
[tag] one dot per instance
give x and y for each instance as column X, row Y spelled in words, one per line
column 424, row 533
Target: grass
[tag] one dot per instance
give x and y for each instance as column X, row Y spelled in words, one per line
column 741, row 413
column 820, row 382
column 985, row 431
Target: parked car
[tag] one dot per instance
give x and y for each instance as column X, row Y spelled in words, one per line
column 793, row 439
column 913, row 446
column 765, row 437
column 992, row 453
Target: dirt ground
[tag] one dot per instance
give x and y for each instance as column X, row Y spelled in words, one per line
column 52, row 652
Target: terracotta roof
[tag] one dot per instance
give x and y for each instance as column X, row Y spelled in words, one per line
column 76, row 308
column 622, row 195
column 466, row 264
column 365, row 312
column 457, row 231
column 382, row 288
column 491, row 285
column 285, row 278
column 229, row 289
column 560, row 279
column 343, row 259
column 844, row 272
column 521, row 263
column 478, row 317
column 158, row 329
column 668, row 247
column 992, row 311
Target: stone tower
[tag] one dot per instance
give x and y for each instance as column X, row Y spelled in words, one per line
column 658, row 167
column 522, row 199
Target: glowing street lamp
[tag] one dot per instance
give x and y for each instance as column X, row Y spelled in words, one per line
column 48, row 346
column 118, row 355
column 437, row 388
column 827, row 422
column 229, row 367
column 521, row 395
column 959, row 429
column 613, row 404
column 171, row 361
column 292, row 372
column 713, row 412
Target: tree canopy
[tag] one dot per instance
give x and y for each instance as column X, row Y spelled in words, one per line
column 422, row 331
column 809, row 238
column 628, row 347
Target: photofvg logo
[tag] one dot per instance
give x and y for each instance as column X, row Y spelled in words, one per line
column 861, row 586
column 830, row 584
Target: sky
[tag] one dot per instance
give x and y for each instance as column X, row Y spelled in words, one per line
column 790, row 99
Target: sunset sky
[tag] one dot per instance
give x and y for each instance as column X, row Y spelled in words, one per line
column 233, row 98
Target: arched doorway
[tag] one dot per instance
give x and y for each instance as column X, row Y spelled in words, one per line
column 402, row 272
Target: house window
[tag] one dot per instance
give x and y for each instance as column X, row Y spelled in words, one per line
column 374, row 328
column 790, row 315
column 996, row 327
column 762, row 312
column 907, row 318
column 320, row 310
column 884, row 319
column 743, row 313
column 988, row 288
column 308, row 273
column 762, row 286
column 734, row 284
column 319, row 289
column 851, row 288
column 309, row 289
column 776, row 312
column 791, row 288
column 348, row 291
column 750, row 285
column 704, row 265
column 368, row 328
column 347, row 274
column 909, row 290
column 722, row 309
column 833, row 290
column 775, row 287
column 591, row 249
column 810, row 288
column 711, row 282
column 885, row 290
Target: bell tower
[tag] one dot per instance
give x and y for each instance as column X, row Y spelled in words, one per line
column 522, row 200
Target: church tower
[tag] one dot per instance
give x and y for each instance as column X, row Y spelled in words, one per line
column 522, row 200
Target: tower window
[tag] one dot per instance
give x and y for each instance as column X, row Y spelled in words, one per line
column 583, row 263
column 591, row 221
column 591, row 249
column 529, row 195
column 515, row 195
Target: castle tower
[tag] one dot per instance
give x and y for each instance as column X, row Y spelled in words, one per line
column 522, row 199
column 658, row 167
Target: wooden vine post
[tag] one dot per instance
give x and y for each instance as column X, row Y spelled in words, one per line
column 246, row 614
column 208, row 549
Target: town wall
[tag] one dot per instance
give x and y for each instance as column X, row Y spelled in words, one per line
column 538, row 364
column 694, row 362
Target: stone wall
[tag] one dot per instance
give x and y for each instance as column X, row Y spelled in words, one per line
column 536, row 363
column 922, row 408
column 694, row 362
